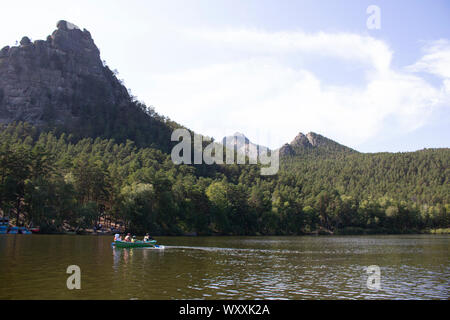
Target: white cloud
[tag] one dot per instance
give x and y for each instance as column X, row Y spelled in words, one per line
column 346, row 46
column 259, row 93
column 436, row 59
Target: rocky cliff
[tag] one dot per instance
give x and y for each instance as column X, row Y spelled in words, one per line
column 53, row 80
column 62, row 84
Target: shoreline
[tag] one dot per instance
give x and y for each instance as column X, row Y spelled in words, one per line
column 438, row 231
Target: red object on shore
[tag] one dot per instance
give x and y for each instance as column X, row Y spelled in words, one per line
column 35, row 230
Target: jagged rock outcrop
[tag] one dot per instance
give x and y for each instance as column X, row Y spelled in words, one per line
column 301, row 141
column 317, row 140
column 286, row 150
column 312, row 143
column 55, row 80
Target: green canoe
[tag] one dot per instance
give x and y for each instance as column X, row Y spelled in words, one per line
column 137, row 244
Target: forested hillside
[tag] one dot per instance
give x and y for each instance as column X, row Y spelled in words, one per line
column 59, row 182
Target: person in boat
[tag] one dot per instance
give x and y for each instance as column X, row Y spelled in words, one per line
column 133, row 239
column 117, row 237
column 148, row 238
column 128, row 238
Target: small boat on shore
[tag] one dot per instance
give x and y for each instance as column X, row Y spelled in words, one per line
column 13, row 230
column 24, row 230
column 35, row 229
column 4, row 225
column 5, row 228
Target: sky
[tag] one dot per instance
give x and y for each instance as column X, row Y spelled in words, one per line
column 271, row 69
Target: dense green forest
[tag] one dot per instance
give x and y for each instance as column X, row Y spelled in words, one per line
column 60, row 182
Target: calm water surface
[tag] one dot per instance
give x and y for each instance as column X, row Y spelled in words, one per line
column 412, row 267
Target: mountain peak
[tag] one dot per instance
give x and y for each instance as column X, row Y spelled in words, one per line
column 300, row 141
column 314, row 138
column 239, row 134
column 236, row 138
column 52, row 79
column 65, row 25
column 312, row 142
column 68, row 37
column 239, row 142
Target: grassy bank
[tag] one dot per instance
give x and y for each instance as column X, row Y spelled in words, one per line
column 439, row 231
column 362, row 231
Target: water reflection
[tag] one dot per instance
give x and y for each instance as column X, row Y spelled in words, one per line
column 117, row 254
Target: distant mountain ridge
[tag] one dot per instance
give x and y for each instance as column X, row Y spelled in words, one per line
column 241, row 144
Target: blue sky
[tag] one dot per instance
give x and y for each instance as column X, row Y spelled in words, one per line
column 271, row 69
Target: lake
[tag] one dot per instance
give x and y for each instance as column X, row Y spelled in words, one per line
column 307, row 267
